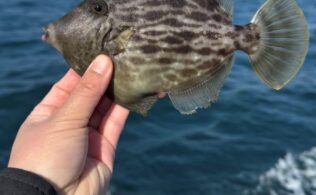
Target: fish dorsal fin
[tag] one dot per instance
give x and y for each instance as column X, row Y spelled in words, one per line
column 202, row 94
column 228, row 6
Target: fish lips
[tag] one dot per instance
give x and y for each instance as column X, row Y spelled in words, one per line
column 45, row 36
column 49, row 36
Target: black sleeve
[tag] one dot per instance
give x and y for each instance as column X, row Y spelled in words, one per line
column 20, row 182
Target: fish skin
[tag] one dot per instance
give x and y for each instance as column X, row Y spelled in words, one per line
column 172, row 44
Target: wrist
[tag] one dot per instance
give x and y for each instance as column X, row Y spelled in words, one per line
column 26, row 182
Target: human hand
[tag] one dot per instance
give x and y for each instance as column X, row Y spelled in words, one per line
column 71, row 136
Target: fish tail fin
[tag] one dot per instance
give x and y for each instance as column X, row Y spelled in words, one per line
column 283, row 44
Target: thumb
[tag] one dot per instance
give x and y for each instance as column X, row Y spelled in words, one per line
column 81, row 104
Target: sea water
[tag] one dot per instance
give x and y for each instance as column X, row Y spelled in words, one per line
column 250, row 142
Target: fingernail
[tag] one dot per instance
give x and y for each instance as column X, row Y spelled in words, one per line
column 99, row 65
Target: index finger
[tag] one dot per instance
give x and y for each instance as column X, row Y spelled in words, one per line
column 60, row 92
column 57, row 96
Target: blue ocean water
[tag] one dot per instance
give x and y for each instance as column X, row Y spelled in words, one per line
column 232, row 148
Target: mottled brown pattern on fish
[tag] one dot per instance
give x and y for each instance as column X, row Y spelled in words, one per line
column 247, row 38
column 172, row 40
column 215, row 26
column 181, row 35
column 166, row 60
column 198, row 16
column 175, row 44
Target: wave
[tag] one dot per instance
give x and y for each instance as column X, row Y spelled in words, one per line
column 293, row 175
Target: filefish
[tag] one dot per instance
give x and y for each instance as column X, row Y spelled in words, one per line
column 183, row 48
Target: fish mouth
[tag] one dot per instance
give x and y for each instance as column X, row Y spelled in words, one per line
column 45, row 36
column 49, row 37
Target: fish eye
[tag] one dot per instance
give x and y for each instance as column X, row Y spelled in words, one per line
column 99, row 7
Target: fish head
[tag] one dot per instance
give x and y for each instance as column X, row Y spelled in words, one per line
column 79, row 35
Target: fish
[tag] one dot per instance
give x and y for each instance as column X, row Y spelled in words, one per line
column 183, row 48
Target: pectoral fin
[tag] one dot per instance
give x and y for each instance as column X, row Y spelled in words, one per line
column 118, row 40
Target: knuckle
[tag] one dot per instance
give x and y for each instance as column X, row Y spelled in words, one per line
column 89, row 87
column 60, row 91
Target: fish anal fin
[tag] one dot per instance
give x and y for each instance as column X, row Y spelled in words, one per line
column 203, row 94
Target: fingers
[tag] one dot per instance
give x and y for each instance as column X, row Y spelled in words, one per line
column 113, row 124
column 86, row 95
column 162, row 95
column 107, row 124
column 109, row 119
column 103, row 143
column 62, row 89
column 57, row 96
column 100, row 149
column 99, row 113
